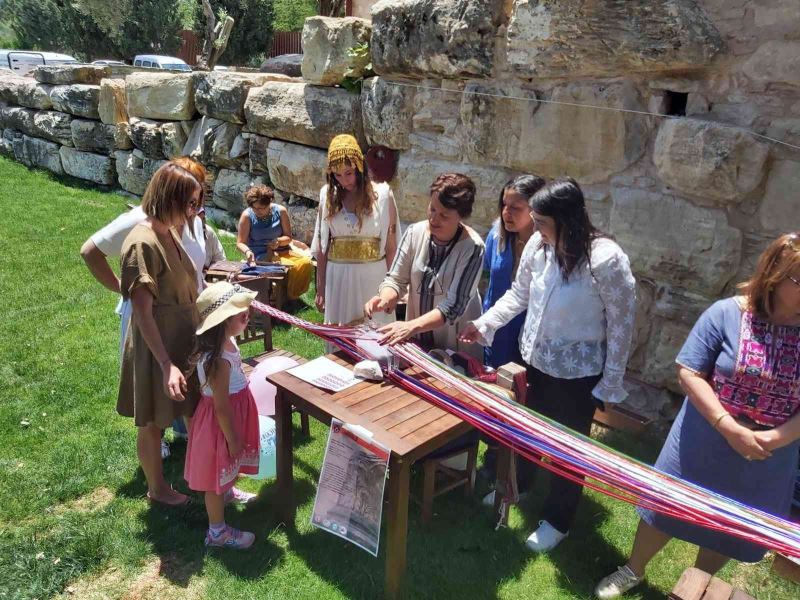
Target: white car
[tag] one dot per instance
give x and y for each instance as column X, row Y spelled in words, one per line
column 155, row 61
column 23, row 62
column 108, row 63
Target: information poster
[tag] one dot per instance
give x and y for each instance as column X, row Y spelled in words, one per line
column 349, row 500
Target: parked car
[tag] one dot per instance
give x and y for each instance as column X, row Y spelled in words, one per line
column 23, row 62
column 108, row 63
column 154, row 61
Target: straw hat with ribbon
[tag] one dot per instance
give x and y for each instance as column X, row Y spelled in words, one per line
column 222, row 300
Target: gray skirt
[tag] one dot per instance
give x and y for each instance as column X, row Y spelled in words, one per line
column 696, row 452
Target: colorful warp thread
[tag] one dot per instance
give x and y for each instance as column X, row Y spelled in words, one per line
column 566, row 452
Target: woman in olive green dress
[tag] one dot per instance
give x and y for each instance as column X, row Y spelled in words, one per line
column 159, row 278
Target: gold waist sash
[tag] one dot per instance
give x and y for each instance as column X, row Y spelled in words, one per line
column 352, row 249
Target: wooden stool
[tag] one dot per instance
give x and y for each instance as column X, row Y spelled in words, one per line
column 695, row 584
column 450, row 478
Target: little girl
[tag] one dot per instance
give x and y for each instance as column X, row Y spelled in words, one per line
column 224, row 436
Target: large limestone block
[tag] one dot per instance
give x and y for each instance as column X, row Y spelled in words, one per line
column 229, row 189
column 86, row 165
column 54, row 126
column 258, row 153
column 78, row 99
column 669, row 239
column 304, row 114
column 222, row 95
column 33, row 95
column 41, row 153
column 780, row 207
column 165, row 96
column 18, row 118
column 174, row 136
column 67, row 74
column 775, row 62
column 415, row 175
column 7, row 142
column 662, row 348
column 608, row 37
column 296, row 169
column 113, row 102
column 434, row 38
column 130, row 172
column 326, row 41
column 387, row 109
column 146, row 135
column 24, row 91
column 554, row 139
column 211, row 141
column 94, row 136
column 713, row 163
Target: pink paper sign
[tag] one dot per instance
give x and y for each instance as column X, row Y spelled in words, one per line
column 262, row 390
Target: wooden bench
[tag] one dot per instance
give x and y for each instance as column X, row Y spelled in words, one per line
column 695, row 584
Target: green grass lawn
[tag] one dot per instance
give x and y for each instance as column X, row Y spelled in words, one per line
column 73, row 518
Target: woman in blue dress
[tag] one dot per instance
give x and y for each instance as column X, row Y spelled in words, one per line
column 264, row 228
column 504, row 244
column 738, row 432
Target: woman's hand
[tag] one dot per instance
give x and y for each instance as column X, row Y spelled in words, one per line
column 396, row 332
column 377, row 304
column 743, row 440
column 250, row 257
column 174, row 381
column 273, row 245
column 234, row 445
column 319, row 300
column 470, row 334
column 770, row 439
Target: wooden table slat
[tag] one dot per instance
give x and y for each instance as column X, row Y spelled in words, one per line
column 378, row 413
column 365, row 393
column 403, row 415
column 378, row 400
column 718, row 590
column 411, row 425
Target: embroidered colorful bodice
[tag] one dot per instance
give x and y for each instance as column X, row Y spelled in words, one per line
column 765, row 383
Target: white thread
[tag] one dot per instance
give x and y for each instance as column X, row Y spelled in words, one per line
column 579, row 105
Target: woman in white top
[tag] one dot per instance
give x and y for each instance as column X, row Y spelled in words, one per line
column 577, row 287
column 355, row 238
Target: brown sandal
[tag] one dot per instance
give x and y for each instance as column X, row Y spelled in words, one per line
column 183, row 502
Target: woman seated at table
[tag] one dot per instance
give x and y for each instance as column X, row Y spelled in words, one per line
column 738, row 432
column 264, row 229
column 438, row 263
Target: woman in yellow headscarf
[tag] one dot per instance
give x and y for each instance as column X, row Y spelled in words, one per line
column 355, row 238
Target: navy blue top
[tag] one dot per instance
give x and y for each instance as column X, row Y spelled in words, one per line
column 262, row 231
column 500, row 265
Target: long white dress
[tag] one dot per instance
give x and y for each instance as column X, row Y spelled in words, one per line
column 348, row 286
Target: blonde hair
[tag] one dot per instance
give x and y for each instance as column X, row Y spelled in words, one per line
column 774, row 265
column 169, row 192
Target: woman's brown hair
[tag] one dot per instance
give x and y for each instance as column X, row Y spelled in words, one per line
column 169, row 192
column 364, row 193
column 775, row 264
column 259, row 194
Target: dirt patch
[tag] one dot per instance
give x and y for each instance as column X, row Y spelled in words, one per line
column 94, row 501
column 167, row 577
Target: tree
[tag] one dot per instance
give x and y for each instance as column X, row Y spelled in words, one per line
column 96, row 28
column 330, row 8
column 252, row 31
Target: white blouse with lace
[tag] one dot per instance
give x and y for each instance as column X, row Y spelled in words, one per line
column 574, row 328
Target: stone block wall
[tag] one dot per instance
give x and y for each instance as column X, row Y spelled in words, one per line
column 492, row 89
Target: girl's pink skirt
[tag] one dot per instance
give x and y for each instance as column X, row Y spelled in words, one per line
column 209, row 467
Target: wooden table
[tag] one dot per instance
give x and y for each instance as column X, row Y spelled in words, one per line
column 409, row 426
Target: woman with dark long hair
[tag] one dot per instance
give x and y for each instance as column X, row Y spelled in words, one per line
column 504, row 245
column 355, row 238
column 576, row 285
